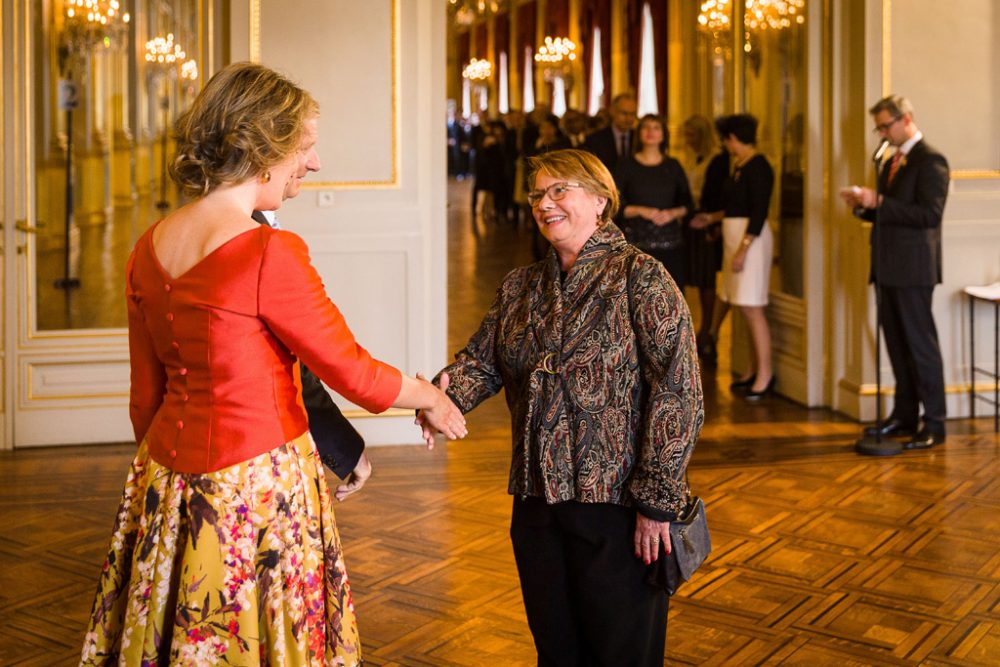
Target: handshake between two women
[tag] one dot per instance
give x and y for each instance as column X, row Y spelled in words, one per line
column 436, row 413
column 444, row 419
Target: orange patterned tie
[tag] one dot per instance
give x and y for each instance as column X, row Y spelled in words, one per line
column 897, row 159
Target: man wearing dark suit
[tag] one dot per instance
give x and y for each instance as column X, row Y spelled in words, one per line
column 616, row 141
column 340, row 446
column 906, row 265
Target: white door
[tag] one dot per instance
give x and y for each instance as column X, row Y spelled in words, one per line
column 74, row 90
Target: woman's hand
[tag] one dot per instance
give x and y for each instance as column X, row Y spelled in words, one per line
column 739, row 259
column 649, row 535
column 361, row 473
column 701, row 221
column 662, row 217
column 443, row 417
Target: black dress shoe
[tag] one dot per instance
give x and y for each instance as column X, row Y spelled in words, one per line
column 707, row 349
column 743, row 384
column 891, row 428
column 754, row 396
column 924, row 440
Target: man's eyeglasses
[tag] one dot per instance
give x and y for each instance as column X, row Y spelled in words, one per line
column 556, row 191
column 884, row 127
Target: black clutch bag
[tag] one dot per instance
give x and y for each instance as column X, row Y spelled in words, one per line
column 690, row 546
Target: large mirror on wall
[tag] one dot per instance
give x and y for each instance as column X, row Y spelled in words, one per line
column 774, row 77
column 111, row 76
column 714, row 80
column 771, row 58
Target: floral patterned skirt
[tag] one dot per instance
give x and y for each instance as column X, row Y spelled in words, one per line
column 242, row 566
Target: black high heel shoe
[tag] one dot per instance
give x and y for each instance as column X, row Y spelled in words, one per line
column 754, row 396
column 743, row 384
column 707, row 350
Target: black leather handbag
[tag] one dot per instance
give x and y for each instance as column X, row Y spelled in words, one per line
column 690, row 546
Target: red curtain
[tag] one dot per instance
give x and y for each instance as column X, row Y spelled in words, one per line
column 462, row 49
column 596, row 14
column 633, row 33
column 501, row 37
column 557, row 18
column 482, row 47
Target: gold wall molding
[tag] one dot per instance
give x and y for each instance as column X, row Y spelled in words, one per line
column 30, row 385
column 975, row 174
column 255, row 31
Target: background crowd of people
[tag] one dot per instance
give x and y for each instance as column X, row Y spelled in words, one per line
column 702, row 213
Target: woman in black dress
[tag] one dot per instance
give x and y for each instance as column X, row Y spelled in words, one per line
column 748, row 246
column 656, row 199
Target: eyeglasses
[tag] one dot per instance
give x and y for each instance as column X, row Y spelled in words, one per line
column 884, row 127
column 556, row 191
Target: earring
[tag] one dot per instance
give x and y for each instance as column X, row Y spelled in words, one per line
column 267, row 177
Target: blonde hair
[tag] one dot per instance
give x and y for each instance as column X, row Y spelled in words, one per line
column 896, row 105
column 247, row 119
column 705, row 145
column 582, row 167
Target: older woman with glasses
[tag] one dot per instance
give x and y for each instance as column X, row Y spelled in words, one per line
column 595, row 348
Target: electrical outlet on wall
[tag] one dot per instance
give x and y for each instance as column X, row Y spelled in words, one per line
column 324, row 198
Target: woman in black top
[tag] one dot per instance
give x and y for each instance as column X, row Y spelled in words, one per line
column 747, row 247
column 656, row 199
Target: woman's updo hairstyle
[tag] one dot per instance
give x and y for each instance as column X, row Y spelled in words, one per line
column 247, row 119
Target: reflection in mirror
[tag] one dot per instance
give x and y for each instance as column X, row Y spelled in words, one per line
column 715, row 58
column 775, row 89
column 101, row 115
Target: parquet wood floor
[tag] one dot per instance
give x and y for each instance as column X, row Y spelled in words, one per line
column 821, row 557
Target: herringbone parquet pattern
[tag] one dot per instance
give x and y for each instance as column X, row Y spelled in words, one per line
column 821, row 557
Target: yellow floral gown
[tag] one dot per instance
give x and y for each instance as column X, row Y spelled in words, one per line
column 242, row 566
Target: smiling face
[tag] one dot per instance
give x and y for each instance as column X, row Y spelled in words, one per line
column 570, row 221
column 306, row 156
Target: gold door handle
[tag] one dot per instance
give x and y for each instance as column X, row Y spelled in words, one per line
column 23, row 226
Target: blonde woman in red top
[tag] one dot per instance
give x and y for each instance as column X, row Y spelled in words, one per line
column 225, row 546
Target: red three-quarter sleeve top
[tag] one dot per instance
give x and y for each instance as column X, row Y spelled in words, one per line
column 213, row 350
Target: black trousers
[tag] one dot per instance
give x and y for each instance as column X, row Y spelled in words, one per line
column 584, row 590
column 912, row 342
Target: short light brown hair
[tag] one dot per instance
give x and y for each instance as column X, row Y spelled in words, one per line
column 705, row 143
column 582, row 167
column 896, row 105
column 247, row 119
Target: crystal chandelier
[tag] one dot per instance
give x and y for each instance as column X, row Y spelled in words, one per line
column 556, row 51
column 774, row 14
column 714, row 15
column 93, row 22
column 162, row 52
column 467, row 12
column 759, row 14
column 189, row 70
column 478, row 70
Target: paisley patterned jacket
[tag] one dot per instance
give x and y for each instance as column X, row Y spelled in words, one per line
column 603, row 386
